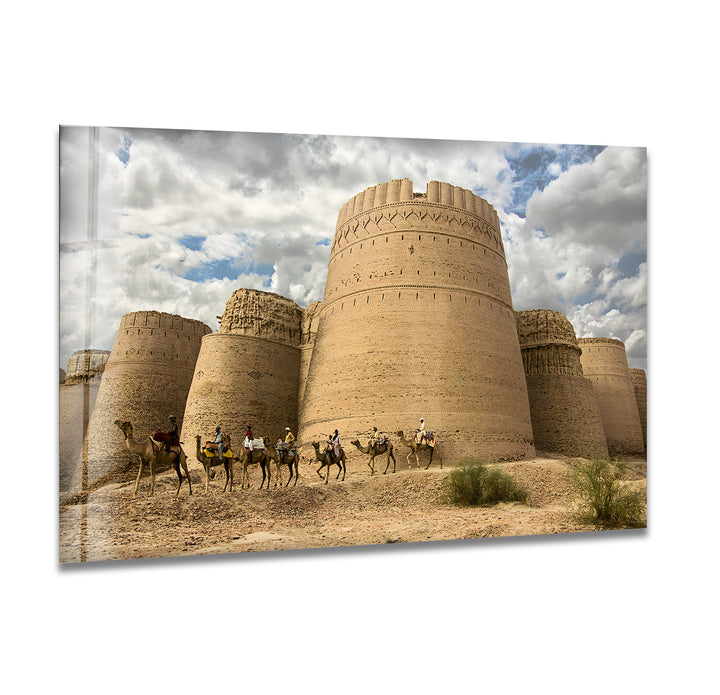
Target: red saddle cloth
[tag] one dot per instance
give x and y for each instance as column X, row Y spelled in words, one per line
column 160, row 436
column 211, row 446
column 380, row 443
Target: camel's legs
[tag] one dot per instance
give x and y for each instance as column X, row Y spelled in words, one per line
column 227, row 475
column 370, row 463
column 207, row 476
column 152, row 476
column 183, row 463
column 176, row 466
column 137, row 480
column 430, row 461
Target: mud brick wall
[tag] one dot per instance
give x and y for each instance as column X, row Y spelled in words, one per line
column 417, row 321
column 639, row 381
column 604, row 363
column 248, row 373
column 146, row 378
column 76, row 405
column 565, row 415
column 86, row 366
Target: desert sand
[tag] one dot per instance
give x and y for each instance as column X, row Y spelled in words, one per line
column 401, row 507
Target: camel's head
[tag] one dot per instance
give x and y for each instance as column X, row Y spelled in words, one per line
column 125, row 426
column 197, row 438
column 400, row 434
column 316, row 445
column 356, row 442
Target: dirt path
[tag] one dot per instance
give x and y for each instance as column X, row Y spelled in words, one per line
column 402, row 507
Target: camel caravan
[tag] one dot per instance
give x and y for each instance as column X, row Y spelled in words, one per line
column 162, row 449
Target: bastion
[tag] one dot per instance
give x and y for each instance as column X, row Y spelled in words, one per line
column 565, row 415
column 248, row 373
column 604, row 363
column 417, row 321
column 77, row 397
column 146, row 379
column 639, row 381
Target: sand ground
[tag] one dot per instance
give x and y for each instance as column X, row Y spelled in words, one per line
column 401, row 507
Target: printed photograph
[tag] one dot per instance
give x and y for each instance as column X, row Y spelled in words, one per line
column 274, row 341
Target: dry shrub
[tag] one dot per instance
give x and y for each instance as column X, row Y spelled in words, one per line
column 473, row 484
column 605, row 500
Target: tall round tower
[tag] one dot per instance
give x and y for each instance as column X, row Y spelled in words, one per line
column 417, row 321
column 639, row 381
column 565, row 414
column 146, row 379
column 247, row 373
column 604, row 363
column 78, row 394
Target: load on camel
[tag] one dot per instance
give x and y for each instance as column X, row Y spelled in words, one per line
column 286, row 454
column 254, row 451
column 382, row 446
column 427, row 443
column 327, row 458
column 208, row 457
column 152, row 453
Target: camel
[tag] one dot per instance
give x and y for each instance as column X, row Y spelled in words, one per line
column 151, row 453
column 209, row 461
column 325, row 460
column 289, row 459
column 374, row 451
column 258, row 456
column 415, row 447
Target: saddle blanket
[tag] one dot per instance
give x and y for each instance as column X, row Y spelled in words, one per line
column 381, row 441
column 429, row 438
column 211, row 453
column 256, row 443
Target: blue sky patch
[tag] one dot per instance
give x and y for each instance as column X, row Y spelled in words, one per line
column 123, row 152
column 194, row 243
column 530, row 169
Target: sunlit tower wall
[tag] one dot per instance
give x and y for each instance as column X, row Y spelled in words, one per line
column 417, row 321
column 247, row 373
column 146, row 379
column 565, row 415
column 310, row 321
column 78, row 394
column 639, row 381
column 605, row 364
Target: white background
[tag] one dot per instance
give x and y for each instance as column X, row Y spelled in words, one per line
column 621, row 612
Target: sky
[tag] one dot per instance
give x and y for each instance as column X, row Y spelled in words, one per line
column 177, row 220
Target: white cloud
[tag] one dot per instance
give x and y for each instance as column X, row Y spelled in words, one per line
column 261, row 202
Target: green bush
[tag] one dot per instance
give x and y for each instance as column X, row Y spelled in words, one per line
column 473, row 484
column 604, row 500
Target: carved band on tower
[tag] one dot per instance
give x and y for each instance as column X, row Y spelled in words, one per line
column 417, row 321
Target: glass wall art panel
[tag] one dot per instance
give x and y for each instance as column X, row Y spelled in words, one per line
column 285, row 341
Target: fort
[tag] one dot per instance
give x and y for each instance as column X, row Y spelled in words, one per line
column 605, row 364
column 565, row 415
column 417, row 320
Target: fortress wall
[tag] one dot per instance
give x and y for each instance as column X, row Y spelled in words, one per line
column 417, row 321
column 565, row 415
column 604, row 363
column 639, row 382
column 248, row 373
column 310, row 322
column 146, row 379
column 86, row 366
column 239, row 381
column 77, row 402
